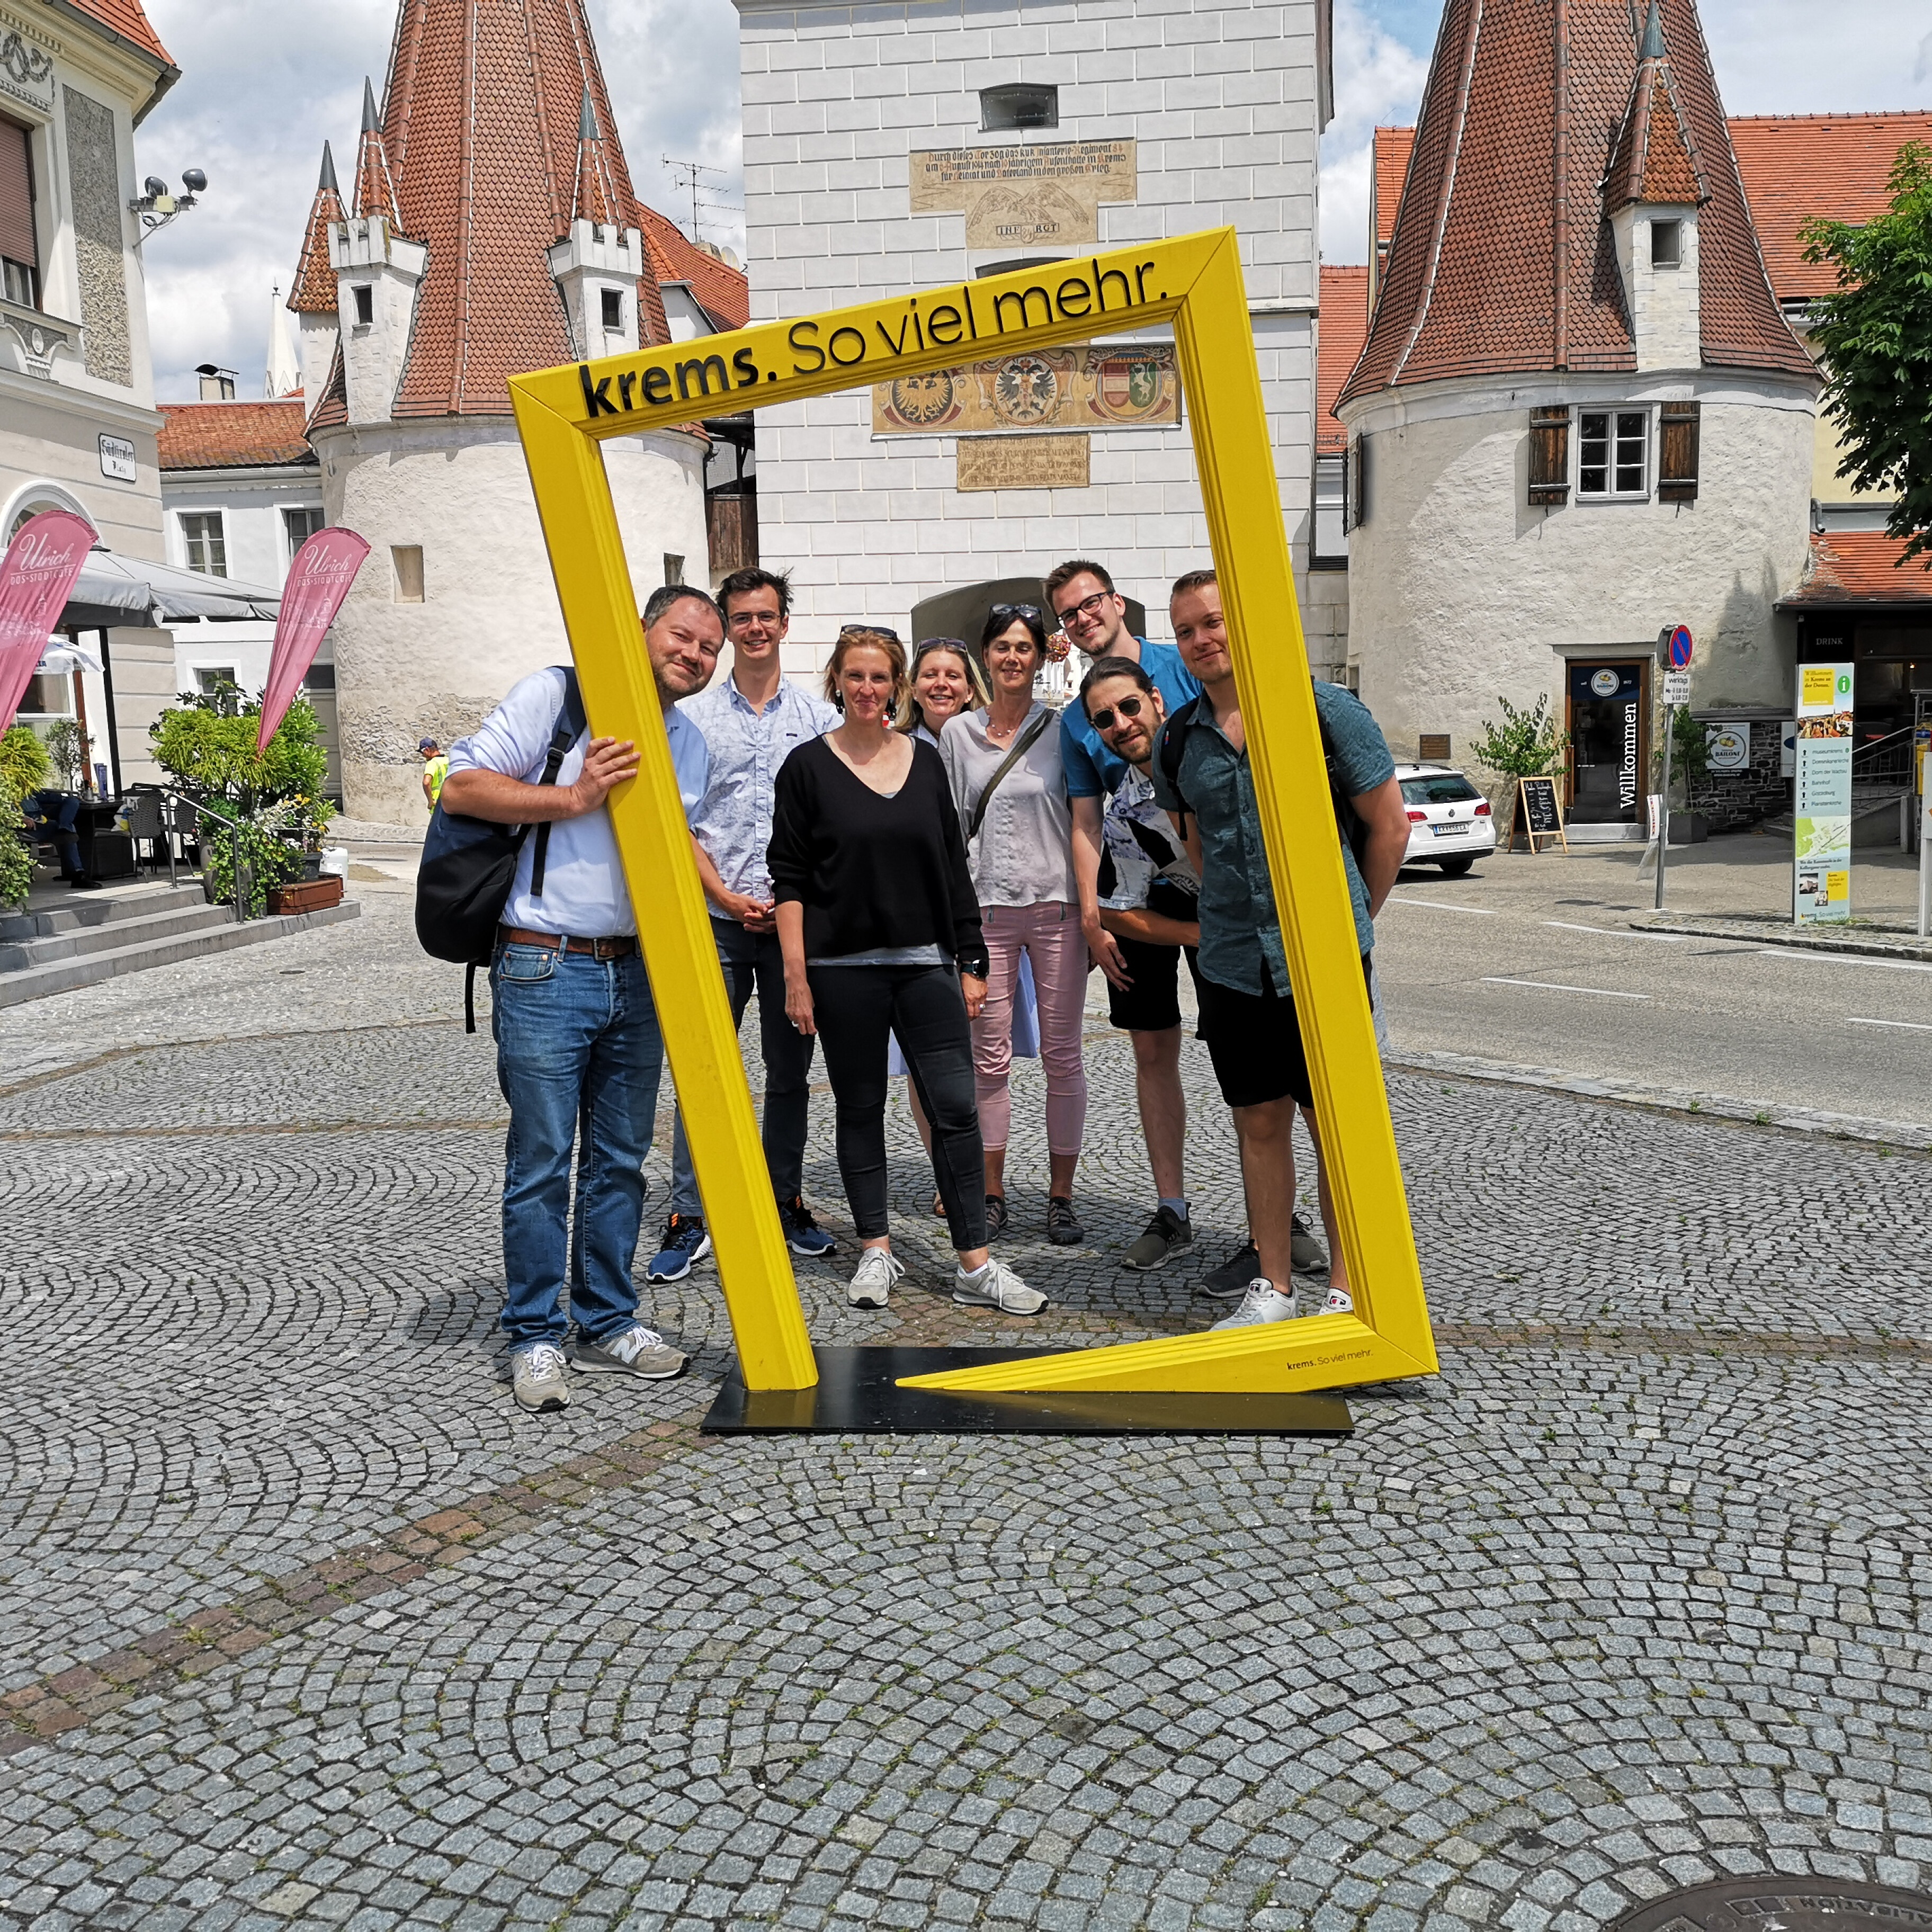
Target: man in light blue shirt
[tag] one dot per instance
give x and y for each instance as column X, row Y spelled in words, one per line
column 752, row 721
column 577, row 1043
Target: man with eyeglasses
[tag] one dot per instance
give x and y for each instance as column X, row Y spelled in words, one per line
column 1087, row 607
column 750, row 721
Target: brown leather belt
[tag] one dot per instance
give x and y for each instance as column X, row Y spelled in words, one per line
column 619, row 948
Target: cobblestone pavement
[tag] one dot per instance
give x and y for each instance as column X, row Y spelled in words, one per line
column 302, row 1623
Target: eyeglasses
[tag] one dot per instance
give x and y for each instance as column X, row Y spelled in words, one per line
column 1087, row 607
column 740, row 620
column 1128, row 707
column 1014, row 610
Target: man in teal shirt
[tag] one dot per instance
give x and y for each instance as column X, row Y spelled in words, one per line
column 1247, row 1003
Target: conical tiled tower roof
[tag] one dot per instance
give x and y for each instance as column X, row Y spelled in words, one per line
column 596, row 196
column 1655, row 157
column 314, row 291
column 1503, row 260
column 486, row 101
column 375, row 186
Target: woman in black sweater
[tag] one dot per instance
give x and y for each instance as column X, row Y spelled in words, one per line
column 879, row 925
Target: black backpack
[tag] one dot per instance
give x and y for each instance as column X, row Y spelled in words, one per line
column 468, row 865
column 1174, row 742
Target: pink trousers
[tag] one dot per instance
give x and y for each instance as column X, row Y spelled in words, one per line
column 1050, row 934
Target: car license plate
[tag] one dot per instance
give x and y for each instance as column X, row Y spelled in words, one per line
column 1450, row 831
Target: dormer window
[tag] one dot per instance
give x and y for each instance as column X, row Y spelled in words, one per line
column 613, row 311
column 1666, row 244
column 1613, row 452
column 1018, row 104
column 365, row 303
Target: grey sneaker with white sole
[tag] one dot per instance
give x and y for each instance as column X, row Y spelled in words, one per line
column 537, row 1378
column 640, row 1351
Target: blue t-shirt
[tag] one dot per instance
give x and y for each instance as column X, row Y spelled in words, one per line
column 1092, row 770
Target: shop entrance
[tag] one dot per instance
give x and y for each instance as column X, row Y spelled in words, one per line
column 1609, row 734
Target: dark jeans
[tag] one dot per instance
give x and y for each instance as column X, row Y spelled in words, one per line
column 578, row 1056
column 856, row 1006
column 752, row 960
column 59, row 813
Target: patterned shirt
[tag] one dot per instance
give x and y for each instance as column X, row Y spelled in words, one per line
column 733, row 819
column 1139, row 848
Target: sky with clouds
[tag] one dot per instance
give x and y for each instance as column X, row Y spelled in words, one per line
column 264, row 83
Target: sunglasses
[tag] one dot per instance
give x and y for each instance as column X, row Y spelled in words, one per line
column 868, row 631
column 1010, row 610
column 1128, row 707
column 927, row 645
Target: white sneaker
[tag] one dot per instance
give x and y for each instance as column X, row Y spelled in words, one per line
column 537, row 1377
column 1340, row 1302
column 1263, row 1303
column 872, row 1283
column 996, row 1286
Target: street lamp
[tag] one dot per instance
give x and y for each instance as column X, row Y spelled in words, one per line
column 157, row 207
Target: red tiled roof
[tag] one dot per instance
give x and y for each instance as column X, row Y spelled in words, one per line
column 124, row 17
column 1862, row 567
column 1798, row 166
column 314, row 291
column 595, row 199
column 1655, row 159
column 1393, row 148
column 722, row 290
column 232, row 436
column 1344, row 327
column 1502, row 260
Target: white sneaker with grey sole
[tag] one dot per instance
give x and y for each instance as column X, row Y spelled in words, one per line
column 1263, row 1303
column 996, row 1286
column 638, row 1351
column 537, row 1377
column 873, row 1280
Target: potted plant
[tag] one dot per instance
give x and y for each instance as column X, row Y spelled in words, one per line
column 1689, row 767
column 1527, row 744
column 24, row 768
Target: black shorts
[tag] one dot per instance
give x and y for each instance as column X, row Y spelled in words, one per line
column 1152, row 1004
column 1255, row 1041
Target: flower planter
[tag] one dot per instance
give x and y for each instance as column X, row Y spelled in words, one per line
column 1689, row 828
column 309, row 896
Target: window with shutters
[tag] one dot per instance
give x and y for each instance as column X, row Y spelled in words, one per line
column 1677, row 453
column 1355, row 486
column 204, row 541
column 19, row 245
column 1549, row 455
column 1613, row 453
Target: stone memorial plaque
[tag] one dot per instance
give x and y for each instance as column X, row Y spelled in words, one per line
column 1780, row 1904
column 1023, row 463
column 1046, row 192
column 1102, row 386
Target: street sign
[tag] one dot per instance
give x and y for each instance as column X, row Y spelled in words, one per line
column 1680, row 648
column 1677, row 687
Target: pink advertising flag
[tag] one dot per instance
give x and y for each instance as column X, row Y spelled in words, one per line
column 318, row 579
column 37, row 577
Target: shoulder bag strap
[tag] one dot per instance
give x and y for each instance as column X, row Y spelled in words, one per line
column 1023, row 744
column 571, row 725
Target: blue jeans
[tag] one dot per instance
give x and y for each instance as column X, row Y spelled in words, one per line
column 578, row 1058
column 753, row 960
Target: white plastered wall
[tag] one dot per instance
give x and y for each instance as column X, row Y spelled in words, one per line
column 457, row 488
column 1460, row 592
column 1222, row 99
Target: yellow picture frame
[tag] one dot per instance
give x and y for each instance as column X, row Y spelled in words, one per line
column 1194, row 282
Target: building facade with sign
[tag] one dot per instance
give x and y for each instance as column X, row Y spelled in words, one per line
column 78, row 425
column 491, row 228
column 904, row 146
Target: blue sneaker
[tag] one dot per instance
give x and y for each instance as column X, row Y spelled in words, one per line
column 803, row 1235
column 684, row 1241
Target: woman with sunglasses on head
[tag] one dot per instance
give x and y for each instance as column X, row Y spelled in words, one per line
column 945, row 680
column 881, row 932
column 1010, row 789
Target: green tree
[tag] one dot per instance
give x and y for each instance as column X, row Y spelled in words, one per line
column 1690, row 752
column 1875, row 334
column 23, row 768
column 1526, row 745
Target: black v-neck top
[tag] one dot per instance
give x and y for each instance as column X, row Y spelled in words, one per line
column 873, row 871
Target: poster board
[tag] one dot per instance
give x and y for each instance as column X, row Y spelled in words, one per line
column 1539, row 812
column 1821, row 804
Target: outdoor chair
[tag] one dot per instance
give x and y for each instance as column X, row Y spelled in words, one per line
column 142, row 809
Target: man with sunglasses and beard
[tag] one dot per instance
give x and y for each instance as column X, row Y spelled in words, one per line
column 1093, row 615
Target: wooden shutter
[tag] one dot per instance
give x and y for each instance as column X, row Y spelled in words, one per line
column 17, row 196
column 1677, row 453
column 1549, row 455
column 1355, row 486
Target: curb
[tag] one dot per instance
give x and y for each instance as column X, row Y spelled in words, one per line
column 1906, row 1136
column 1906, row 946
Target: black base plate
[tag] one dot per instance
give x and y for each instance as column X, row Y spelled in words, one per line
column 857, row 1395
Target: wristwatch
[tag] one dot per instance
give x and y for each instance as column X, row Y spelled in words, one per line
column 974, row 964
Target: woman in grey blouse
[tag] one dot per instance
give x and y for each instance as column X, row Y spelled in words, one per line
column 1022, row 862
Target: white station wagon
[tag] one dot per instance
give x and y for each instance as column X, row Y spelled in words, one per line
column 1450, row 823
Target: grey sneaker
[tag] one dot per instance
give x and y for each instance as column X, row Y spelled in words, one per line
column 996, row 1286
column 1305, row 1252
column 537, row 1376
column 1263, row 1303
column 872, row 1281
column 631, row 1351
column 1229, row 1282
column 1167, row 1234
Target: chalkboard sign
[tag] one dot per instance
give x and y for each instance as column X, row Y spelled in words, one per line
column 1538, row 813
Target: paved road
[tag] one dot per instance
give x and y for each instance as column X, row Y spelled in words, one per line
column 1534, row 962
column 302, row 1623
